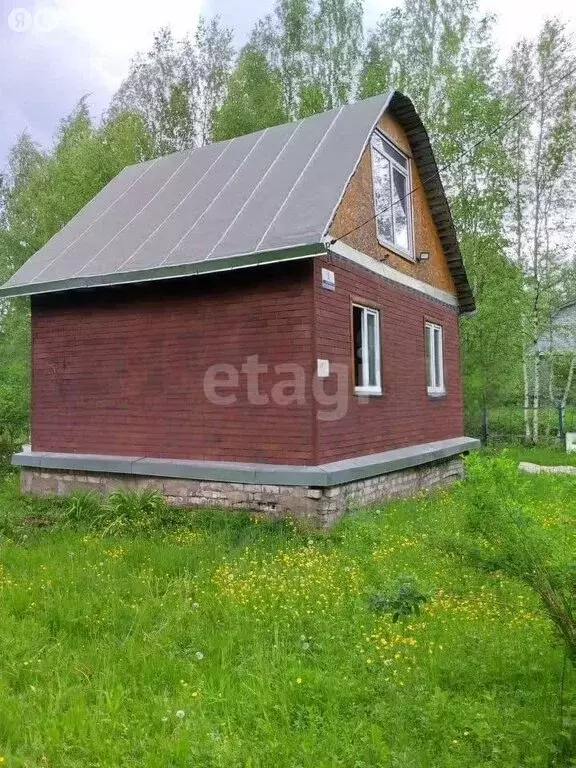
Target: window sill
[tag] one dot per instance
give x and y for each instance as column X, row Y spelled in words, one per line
column 397, row 250
column 367, row 391
column 436, row 394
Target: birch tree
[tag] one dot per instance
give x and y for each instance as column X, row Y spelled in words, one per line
column 540, row 225
column 316, row 46
column 177, row 86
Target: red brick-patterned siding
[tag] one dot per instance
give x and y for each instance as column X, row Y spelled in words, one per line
column 120, row 371
column 404, row 414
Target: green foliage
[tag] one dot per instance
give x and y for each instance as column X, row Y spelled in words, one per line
column 82, row 508
column 402, row 599
column 511, row 540
column 123, row 513
column 315, row 46
column 131, row 511
column 254, row 99
column 177, row 86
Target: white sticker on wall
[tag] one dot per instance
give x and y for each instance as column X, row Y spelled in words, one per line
column 322, row 368
column 328, row 279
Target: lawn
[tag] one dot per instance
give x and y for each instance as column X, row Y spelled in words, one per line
column 231, row 641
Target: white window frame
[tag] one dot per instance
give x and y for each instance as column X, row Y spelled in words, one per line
column 379, row 139
column 375, row 389
column 434, row 386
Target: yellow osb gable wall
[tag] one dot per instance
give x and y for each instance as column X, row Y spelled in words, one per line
column 358, row 205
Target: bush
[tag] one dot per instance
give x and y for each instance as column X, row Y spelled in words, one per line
column 507, row 538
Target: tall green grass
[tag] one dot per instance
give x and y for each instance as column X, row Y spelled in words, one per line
column 227, row 641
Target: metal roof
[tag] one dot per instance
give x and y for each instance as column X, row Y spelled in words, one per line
column 262, row 197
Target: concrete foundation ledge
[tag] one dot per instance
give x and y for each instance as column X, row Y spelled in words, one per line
column 321, row 476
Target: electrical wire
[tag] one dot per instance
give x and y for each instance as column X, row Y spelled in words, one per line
column 464, row 153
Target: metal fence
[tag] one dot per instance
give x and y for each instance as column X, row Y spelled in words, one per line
column 505, row 423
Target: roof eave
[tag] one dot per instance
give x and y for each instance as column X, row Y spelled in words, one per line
column 237, row 261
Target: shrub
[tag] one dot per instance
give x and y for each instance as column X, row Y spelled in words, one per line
column 509, row 539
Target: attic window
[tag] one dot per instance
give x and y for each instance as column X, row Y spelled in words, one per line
column 393, row 208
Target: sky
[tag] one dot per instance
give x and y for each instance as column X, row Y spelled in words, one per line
column 53, row 52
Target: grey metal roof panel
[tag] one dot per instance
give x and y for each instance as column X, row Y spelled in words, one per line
column 89, row 252
column 80, row 224
column 173, row 219
column 204, row 234
column 330, row 166
column 267, row 195
column 267, row 199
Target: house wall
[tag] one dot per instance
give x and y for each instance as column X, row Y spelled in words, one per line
column 404, row 414
column 560, row 336
column 121, row 371
column 357, row 207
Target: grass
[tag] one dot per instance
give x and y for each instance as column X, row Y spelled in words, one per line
column 537, row 454
column 233, row 641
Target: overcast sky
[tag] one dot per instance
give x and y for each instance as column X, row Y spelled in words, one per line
column 52, row 52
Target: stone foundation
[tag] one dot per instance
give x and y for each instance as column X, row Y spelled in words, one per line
column 319, row 505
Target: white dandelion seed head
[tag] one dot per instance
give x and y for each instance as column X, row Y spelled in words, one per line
column 198, row 655
column 181, row 714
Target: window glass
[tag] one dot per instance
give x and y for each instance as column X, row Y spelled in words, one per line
column 429, row 373
column 434, row 358
column 371, row 323
column 392, row 201
column 438, row 357
column 357, row 333
column 383, row 197
column 400, row 210
column 366, row 336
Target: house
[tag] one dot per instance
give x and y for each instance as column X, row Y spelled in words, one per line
column 560, row 335
column 269, row 322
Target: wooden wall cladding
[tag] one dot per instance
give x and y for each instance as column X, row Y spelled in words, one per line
column 357, row 206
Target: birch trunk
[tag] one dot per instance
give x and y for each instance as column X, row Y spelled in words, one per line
column 568, row 386
column 527, row 430
column 536, row 400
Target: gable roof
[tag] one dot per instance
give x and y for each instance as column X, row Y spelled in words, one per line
column 261, row 197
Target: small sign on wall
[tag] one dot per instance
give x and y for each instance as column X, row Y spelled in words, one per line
column 322, row 368
column 328, row 279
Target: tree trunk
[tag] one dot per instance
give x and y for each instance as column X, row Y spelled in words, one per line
column 536, row 400
column 568, row 386
column 527, row 430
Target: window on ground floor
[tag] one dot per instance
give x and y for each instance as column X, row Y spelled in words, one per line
column 366, row 334
column 434, row 358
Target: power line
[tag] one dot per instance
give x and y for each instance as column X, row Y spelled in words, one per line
column 463, row 154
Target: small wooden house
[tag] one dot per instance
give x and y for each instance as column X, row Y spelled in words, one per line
column 269, row 322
